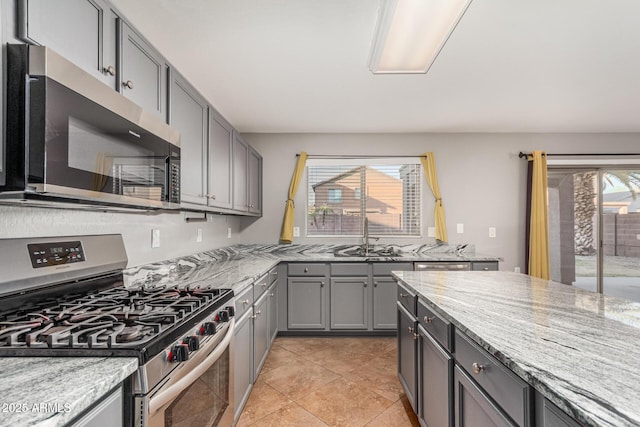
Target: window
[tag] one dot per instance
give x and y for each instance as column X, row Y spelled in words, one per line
column 335, row 195
column 341, row 192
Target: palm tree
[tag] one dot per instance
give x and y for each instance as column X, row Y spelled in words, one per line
column 321, row 211
column 585, row 206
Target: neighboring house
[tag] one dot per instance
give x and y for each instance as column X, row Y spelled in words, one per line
column 621, row 202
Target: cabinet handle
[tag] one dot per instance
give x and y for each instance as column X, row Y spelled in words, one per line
column 255, row 316
column 322, row 284
column 486, row 269
column 410, row 329
column 259, row 312
column 415, row 337
column 375, row 284
column 111, row 70
column 477, row 368
column 428, row 319
column 211, row 196
column 245, row 302
column 128, row 84
column 403, row 295
column 264, row 285
column 306, row 270
column 271, row 294
column 365, row 284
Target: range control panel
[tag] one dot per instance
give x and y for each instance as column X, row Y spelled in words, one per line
column 56, row 253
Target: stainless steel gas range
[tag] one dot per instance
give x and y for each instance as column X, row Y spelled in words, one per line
column 65, row 296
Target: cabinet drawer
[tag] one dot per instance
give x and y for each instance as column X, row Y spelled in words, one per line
column 438, row 327
column 407, row 298
column 273, row 275
column 259, row 286
column 307, row 269
column 385, row 268
column 244, row 301
column 349, row 269
column 484, row 266
column 510, row 392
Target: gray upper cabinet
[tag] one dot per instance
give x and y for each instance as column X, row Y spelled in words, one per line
column 83, row 31
column 188, row 114
column 143, row 76
column 254, row 181
column 220, row 176
column 240, row 153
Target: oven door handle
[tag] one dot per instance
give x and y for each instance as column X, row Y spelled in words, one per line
column 168, row 395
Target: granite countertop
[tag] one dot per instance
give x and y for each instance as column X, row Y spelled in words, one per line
column 238, row 266
column 577, row 348
column 49, row 391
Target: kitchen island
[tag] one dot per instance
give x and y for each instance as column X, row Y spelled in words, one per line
column 575, row 348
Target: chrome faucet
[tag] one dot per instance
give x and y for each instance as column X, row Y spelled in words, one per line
column 365, row 237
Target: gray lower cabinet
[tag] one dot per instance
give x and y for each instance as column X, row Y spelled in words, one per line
column 189, row 115
column 549, row 415
column 407, row 352
column 472, row 405
column 243, row 360
column 384, row 303
column 273, row 311
column 484, row 266
column 435, row 375
column 83, row 31
column 349, row 302
column 108, row 412
column 143, row 76
column 306, row 304
column 261, row 333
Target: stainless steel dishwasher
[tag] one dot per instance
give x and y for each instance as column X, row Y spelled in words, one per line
column 441, row 266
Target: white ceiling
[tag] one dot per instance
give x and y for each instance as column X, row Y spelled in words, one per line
column 302, row 65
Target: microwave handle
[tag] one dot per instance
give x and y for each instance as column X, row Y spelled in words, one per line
column 168, row 395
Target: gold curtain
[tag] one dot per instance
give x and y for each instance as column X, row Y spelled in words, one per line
column 429, row 165
column 286, row 234
column 539, row 220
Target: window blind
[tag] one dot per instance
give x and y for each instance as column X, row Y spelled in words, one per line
column 341, row 193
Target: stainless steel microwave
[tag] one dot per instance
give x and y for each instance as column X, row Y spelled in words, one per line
column 72, row 139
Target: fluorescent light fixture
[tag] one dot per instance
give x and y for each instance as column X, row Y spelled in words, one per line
column 410, row 34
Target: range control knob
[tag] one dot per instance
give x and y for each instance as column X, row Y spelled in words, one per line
column 224, row 315
column 179, row 353
column 208, row 328
column 231, row 310
column 192, row 342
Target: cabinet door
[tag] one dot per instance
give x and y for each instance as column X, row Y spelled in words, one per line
column 306, row 303
column 407, row 355
column 108, row 413
column 240, row 153
column 472, row 406
column 484, row 266
column 260, row 333
column 243, row 363
column 189, row 116
column 255, row 181
column 349, row 303
column 82, row 31
column 220, row 149
column 273, row 312
column 384, row 303
column 549, row 415
column 435, row 369
column 144, row 72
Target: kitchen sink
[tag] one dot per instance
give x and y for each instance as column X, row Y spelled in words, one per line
column 358, row 251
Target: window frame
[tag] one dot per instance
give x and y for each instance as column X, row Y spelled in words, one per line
column 365, row 161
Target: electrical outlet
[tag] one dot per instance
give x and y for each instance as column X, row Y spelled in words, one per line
column 460, row 228
column 228, row 232
column 431, row 232
column 155, row 238
column 296, row 231
column 492, row 232
column 517, row 269
column 199, row 235
column 638, row 236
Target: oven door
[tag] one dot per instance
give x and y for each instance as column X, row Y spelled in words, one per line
column 199, row 392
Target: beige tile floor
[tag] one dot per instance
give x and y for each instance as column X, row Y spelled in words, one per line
column 329, row 381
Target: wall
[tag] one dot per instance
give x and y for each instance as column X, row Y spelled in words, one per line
column 482, row 180
column 177, row 237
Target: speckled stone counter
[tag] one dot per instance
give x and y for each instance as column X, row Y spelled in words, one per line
column 49, row 392
column 238, row 266
column 577, row 348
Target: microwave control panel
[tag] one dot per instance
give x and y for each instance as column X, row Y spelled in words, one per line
column 57, row 253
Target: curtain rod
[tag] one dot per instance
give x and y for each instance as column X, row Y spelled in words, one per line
column 337, row 156
column 525, row 155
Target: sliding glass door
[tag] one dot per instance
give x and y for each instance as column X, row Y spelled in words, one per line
column 594, row 229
